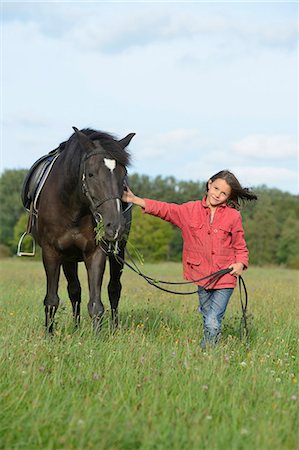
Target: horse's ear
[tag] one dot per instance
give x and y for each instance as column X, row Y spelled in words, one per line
column 84, row 141
column 126, row 140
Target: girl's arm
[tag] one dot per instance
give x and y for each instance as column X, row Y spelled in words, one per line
column 166, row 211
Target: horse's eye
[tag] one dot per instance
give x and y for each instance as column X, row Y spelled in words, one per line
column 90, row 175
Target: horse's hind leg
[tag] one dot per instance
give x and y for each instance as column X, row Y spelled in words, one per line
column 52, row 268
column 114, row 286
column 70, row 270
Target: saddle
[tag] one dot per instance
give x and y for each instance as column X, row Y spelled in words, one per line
column 32, row 186
column 36, row 178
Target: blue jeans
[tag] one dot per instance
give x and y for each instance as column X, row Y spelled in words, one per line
column 212, row 306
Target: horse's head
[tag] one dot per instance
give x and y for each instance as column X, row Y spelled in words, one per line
column 103, row 171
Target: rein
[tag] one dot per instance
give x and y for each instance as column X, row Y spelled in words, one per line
column 212, row 277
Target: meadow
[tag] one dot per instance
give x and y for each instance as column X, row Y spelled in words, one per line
column 148, row 385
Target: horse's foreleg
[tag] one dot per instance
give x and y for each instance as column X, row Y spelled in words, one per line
column 70, row 270
column 114, row 286
column 52, row 268
column 95, row 266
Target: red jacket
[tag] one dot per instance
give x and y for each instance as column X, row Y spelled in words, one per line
column 208, row 247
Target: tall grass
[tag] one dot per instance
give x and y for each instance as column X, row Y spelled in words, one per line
column 148, row 386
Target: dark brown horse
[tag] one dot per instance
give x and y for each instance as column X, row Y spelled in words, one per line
column 84, row 187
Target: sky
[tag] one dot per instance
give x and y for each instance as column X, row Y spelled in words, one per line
column 205, row 86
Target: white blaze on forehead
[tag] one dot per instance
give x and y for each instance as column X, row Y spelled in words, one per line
column 110, row 163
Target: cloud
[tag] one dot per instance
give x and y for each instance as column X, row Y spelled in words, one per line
column 25, row 120
column 261, row 147
column 174, row 143
column 286, row 179
column 251, row 176
column 149, row 26
column 97, row 27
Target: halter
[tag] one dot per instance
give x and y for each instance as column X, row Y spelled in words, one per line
column 94, row 205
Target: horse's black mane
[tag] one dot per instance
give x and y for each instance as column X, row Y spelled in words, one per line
column 109, row 143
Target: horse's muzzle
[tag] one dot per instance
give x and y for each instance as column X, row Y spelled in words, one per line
column 114, row 232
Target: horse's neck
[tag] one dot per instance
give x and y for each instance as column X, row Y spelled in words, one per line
column 71, row 184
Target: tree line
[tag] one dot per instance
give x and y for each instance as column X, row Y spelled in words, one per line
column 271, row 224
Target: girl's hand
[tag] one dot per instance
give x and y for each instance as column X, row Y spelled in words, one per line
column 237, row 269
column 128, row 196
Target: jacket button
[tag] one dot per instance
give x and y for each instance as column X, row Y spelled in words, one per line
column 215, row 231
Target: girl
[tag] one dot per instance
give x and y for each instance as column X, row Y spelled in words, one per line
column 213, row 239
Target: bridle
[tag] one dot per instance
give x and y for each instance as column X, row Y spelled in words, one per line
column 94, row 205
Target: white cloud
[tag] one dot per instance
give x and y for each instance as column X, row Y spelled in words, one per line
column 286, row 179
column 176, row 143
column 261, row 146
column 115, row 28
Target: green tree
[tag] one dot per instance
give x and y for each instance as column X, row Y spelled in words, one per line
column 150, row 236
column 262, row 232
column 288, row 244
column 11, row 182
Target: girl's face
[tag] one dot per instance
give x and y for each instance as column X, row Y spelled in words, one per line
column 218, row 192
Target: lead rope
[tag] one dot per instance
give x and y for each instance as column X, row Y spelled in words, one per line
column 213, row 277
column 243, row 321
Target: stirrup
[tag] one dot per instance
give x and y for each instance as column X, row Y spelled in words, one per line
column 19, row 251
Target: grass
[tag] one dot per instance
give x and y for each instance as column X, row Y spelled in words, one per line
column 148, row 386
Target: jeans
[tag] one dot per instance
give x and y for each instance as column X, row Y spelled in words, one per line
column 212, row 306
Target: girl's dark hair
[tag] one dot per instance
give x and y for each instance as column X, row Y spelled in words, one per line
column 238, row 193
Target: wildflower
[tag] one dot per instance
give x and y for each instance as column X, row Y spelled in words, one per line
column 244, row 431
column 226, row 359
column 294, row 398
column 96, row 376
column 277, row 394
column 205, row 387
column 243, row 364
